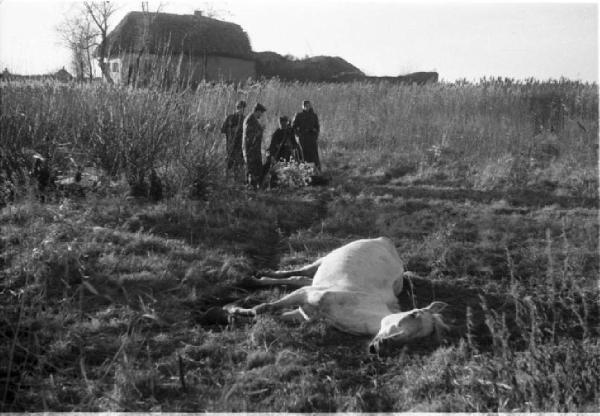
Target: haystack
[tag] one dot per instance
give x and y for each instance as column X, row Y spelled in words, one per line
column 313, row 69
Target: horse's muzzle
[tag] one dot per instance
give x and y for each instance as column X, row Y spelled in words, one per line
column 375, row 346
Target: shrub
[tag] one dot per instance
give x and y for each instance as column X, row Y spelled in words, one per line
column 293, row 174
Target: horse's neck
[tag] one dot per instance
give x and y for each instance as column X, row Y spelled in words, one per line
column 354, row 312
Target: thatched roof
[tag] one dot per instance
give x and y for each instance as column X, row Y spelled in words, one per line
column 192, row 35
column 62, row 75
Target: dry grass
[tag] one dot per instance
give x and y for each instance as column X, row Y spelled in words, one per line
column 482, row 134
column 112, row 303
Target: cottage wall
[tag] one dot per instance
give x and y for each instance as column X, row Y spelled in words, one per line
column 229, row 69
column 115, row 66
column 212, row 68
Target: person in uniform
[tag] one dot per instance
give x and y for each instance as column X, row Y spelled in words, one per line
column 283, row 143
column 283, row 147
column 251, row 145
column 233, row 129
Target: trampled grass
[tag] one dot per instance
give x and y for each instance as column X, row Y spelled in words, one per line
column 113, row 303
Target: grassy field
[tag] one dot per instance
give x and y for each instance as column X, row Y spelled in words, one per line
column 108, row 301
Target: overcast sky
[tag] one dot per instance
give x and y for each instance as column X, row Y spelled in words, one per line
column 458, row 40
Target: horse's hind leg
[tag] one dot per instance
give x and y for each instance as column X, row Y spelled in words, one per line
column 294, row 281
column 306, row 271
column 296, row 278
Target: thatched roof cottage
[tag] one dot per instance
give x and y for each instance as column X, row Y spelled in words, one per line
column 179, row 47
column 62, row 75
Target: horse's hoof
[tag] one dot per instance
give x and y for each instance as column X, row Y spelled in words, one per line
column 214, row 316
column 248, row 282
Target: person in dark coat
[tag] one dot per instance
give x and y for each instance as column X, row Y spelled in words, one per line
column 251, row 146
column 283, row 146
column 233, row 129
column 283, row 143
column 306, row 128
column 42, row 174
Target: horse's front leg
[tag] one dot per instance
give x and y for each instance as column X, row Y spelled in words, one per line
column 296, row 298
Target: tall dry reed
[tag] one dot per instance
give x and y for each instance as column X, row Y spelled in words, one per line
column 133, row 130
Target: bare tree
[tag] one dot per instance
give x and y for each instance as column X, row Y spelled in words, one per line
column 86, row 32
column 100, row 12
column 79, row 36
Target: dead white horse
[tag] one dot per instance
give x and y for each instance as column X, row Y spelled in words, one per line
column 354, row 288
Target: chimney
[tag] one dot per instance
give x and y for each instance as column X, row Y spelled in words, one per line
column 198, row 13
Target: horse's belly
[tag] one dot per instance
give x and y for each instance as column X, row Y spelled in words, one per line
column 371, row 265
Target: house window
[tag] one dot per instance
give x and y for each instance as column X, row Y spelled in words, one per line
column 115, row 67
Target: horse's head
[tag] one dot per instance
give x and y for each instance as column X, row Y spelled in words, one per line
column 403, row 327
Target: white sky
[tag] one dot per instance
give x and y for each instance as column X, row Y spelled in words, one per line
column 459, row 40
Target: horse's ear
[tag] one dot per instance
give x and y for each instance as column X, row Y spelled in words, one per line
column 437, row 306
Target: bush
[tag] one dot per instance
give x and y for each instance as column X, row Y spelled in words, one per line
column 293, row 174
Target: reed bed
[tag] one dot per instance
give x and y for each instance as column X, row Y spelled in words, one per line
column 133, row 130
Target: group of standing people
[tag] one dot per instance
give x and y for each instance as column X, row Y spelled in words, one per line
column 291, row 141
